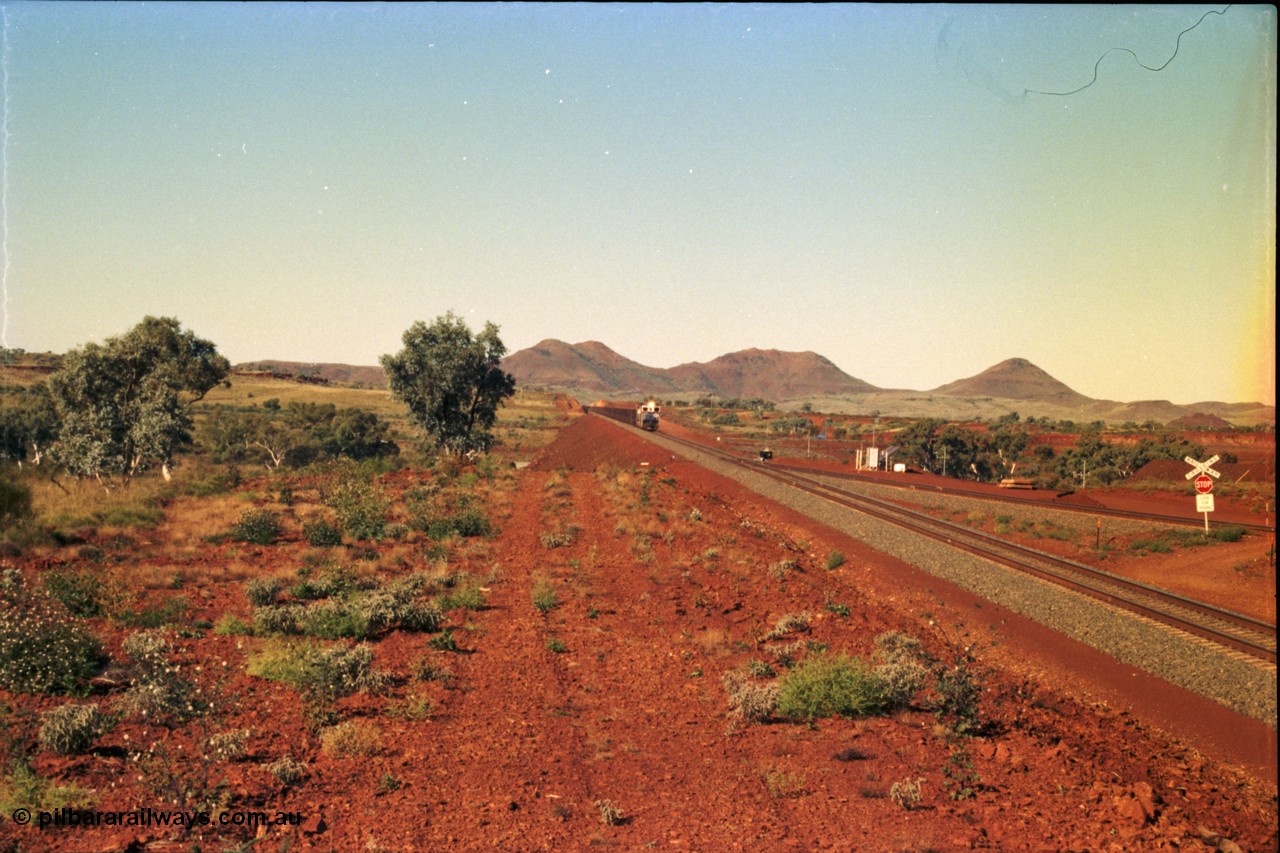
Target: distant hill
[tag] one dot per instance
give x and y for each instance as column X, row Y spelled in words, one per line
column 589, row 366
column 768, row 374
column 346, row 374
column 593, row 367
column 1015, row 379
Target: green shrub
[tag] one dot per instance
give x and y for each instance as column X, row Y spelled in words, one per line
column 23, row 788
column 321, row 534
column 230, row 625
column 421, row 616
column 72, row 729
column 332, row 619
column 468, row 596
column 333, row 581
column 256, row 526
column 823, row 686
column 1227, row 533
column 288, row 663
column 835, row 560
column 168, row 611
column 361, row 507
column 427, row 670
column 321, row 675
column 78, row 591
column 262, row 591
column 958, row 693
column 276, row 619
column 42, row 649
column 444, row 641
column 159, row 692
column 544, row 595
column 15, row 502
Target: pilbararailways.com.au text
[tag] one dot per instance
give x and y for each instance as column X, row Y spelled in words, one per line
column 148, row 817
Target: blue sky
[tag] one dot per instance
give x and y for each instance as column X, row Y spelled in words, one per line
column 873, row 183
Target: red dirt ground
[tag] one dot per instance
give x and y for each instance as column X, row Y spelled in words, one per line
column 665, row 587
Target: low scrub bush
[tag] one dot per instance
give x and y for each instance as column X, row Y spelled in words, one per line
column 351, row 740
column 361, row 507
column 159, row 692
column 823, row 686
column 901, row 667
column 556, row 538
column 230, row 625
column 23, row 788
column 262, row 591
column 544, row 595
column 42, row 648
column 469, row 597
column 1227, row 533
column 276, row 619
column 782, row 568
column 168, row 611
column 319, row 533
column 789, row 623
column 749, row 700
column 287, row 770
column 80, row 592
column 72, row 729
column 835, row 560
column 610, row 815
column 257, row 527
column 227, row 746
column 959, row 692
column 906, row 793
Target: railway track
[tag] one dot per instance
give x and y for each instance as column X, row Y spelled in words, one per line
column 1110, row 512
column 1243, row 634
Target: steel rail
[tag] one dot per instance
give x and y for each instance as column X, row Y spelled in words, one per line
column 1227, row 628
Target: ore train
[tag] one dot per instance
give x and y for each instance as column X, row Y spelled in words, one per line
column 646, row 416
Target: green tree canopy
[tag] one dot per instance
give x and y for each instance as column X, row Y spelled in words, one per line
column 29, row 426
column 125, row 404
column 451, row 381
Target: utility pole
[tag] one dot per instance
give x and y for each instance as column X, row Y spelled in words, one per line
column 944, row 460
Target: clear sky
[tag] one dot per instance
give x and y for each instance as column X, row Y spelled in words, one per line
column 871, row 182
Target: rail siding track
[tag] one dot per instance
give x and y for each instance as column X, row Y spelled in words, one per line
column 1217, row 653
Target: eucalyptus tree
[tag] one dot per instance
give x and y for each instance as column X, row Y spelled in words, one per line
column 124, row 405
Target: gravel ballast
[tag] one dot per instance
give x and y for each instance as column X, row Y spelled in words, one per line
column 1228, row 678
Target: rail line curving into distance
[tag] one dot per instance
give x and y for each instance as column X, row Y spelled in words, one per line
column 1244, row 634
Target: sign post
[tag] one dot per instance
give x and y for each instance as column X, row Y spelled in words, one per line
column 1204, row 477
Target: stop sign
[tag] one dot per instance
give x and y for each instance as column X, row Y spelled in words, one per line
column 1204, row 484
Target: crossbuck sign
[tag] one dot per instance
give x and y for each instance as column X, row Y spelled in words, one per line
column 1204, row 500
column 1198, row 468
